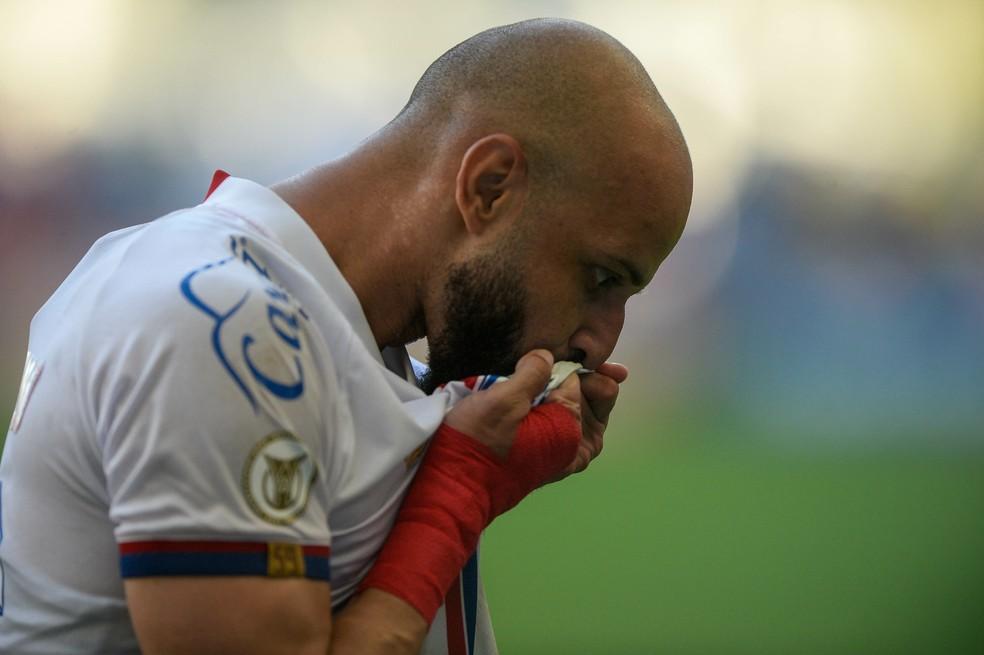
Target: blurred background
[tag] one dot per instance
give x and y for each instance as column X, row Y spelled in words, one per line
column 797, row 462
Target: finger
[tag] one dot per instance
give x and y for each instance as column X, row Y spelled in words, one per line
column 568, row 394
column 529, row 379
column 617, row 372
column 492, row 416
column 598, row 387
column 600, row 392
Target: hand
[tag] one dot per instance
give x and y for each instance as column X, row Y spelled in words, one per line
column 598, row 392
column 493, row 416
column 491, row 451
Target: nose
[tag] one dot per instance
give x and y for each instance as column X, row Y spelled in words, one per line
column 598, row 333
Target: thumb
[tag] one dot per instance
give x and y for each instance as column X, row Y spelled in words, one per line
column 531, row 376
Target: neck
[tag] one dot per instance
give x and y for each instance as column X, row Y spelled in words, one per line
column 370, row 210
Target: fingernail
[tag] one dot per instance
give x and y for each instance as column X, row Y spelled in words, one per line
column 544, row 354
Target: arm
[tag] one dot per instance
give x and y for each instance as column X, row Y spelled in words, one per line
column 491, row 451
column 244, row 615
column 234, row 615
column 513, row 452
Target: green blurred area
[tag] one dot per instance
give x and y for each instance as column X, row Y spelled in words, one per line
column 714, row 549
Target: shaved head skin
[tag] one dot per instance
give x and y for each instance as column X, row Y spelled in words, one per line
column 562, row 88
column 534, row 181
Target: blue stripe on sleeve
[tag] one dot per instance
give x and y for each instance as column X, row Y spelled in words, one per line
column 138, row 565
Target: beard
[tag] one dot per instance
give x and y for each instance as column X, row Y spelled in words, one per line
column 484, row 309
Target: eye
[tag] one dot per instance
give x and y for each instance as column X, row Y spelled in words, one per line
column 604, row 278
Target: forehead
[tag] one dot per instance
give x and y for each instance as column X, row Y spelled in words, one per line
column 639, row 203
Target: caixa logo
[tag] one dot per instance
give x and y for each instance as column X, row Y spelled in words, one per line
column 251, row 347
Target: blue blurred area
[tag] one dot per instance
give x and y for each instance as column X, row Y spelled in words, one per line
column 848, row 324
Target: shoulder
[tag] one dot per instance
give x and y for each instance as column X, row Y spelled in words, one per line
column 178, row 273
column 191, row 299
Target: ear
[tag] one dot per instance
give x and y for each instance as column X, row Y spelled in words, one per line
column 492, row 182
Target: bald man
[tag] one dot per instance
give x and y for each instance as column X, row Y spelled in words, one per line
column 216, row 446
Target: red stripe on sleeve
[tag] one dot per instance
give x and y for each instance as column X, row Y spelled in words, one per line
column 317, row 551
column 133, row 547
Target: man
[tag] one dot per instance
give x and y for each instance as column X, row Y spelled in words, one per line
column 209, row 449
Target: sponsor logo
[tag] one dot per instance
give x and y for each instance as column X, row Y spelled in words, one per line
column 238, row 350
column 277, row 478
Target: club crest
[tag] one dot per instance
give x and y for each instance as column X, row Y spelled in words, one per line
column 277, row 478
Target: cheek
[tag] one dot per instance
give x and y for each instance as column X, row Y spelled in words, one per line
column 552, row 315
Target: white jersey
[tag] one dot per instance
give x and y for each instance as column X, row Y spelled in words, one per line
column 204, row 396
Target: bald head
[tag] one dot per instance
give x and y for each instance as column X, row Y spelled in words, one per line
column 534, row 181
column 562, row 88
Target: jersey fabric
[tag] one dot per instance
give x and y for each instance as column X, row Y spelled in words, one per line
column 203, row 396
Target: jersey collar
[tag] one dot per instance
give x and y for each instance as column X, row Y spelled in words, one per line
column 271, row 215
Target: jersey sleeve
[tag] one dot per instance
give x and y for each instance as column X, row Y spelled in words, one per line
column 214, row 410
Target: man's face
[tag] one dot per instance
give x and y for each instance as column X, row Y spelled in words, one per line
column 583, row 269
column 561, row 280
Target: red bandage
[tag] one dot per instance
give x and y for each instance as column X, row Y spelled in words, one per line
column 461, row 486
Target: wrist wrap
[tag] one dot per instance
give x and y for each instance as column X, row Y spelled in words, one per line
column 460, row 487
